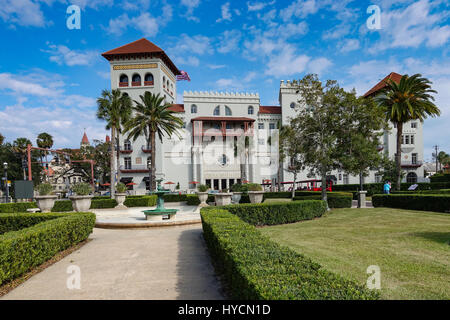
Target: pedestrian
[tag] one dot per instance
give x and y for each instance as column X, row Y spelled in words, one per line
column 386, row 187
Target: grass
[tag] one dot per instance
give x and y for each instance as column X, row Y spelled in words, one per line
column 412, row 248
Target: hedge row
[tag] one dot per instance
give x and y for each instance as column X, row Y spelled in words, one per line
column 143, row 201
column 441, row 177
column 44, row 236
column 333, row 201
column 276, row 213
column 441, row 191
column 377, row 188
column 426, row 202
column 16, row 207
column 257, row 268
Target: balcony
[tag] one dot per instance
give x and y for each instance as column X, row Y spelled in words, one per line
column 136, row 84
column 134, row 169
column 146, row 149
column 411, row 164
column 148, row 83
column 123, row 84
column 126, row 150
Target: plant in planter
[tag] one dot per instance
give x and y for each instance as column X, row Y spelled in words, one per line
column 45, row 200
column 223, row 198
column 203, row 194
column 81, row 202
column 238, row 189
column 255, row 192
column 120, row 195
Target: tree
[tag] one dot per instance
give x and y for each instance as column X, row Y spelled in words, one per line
column 45, row 141
column 115, row 108
column 316, row 125
column 362, row 125
column 2, row 139
column 388, row 170
column 408, row 100
column 151, row 117
column 443, row 158
column 292, row 150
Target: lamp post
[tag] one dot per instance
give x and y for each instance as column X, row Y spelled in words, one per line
column 5, row 166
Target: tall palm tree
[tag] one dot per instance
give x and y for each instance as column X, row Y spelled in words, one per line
column 410, row 99
column 442, row 158
column 19, row 147
column 45, row 141
column 115, row 108
column 151, row 117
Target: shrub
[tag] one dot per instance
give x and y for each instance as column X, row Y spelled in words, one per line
column 103, row 204
column 192, row 200
column 62, row 206
column 175, row 197
column 43, row 235
column 82, row 189
column 143, row 201
column 237, row 187
column 276, row 213
column 254, row 187
column 425, row 202
column 257, row 268
column 334, row 199
column 121, row 188
column 44, row 189
column 16, row 207
column 202, row 188
column 440, row 177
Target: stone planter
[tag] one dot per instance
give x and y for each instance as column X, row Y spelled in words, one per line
column 236, row 197
column 81, row 203
column 223, row 199
column 45, row 203
column 203, row 196
column 256, row 196
column 120, row 199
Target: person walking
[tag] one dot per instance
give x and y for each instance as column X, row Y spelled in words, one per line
column 386, row 187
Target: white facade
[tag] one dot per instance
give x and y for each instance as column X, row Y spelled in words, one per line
column 226, row 135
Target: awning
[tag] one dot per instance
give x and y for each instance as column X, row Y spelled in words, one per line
column 126, row 180
column 146, row 179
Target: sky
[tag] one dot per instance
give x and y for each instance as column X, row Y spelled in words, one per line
column 50, row 75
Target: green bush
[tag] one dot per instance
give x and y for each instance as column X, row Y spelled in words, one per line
column 143, row 201
column 254, row 187
column 62, row 206
column 82, row 189
column 121, row 187
column 103, row 204
column 425, row 202
column 16, row 207
column 440, row 191
column 202, row 188
column 43, row 235
column 334, row 199
column 276, row 213
column 440, row 177
column 192, row 200
column 256, row 268
column 44, row 189
column 175, row 197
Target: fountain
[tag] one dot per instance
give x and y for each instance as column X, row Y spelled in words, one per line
column 160, row 213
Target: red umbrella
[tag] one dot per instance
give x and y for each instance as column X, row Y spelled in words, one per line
column 194, row 182
column 106, row 184
column 245, row 181
column 131, row 184
column 169, row 182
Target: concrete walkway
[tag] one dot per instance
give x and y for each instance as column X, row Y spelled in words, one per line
column 155, row 263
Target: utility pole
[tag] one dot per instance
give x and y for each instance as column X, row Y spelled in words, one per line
column 436, row 148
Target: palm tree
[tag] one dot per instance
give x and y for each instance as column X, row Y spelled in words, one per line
column 19, row 147
column 442, row 158
column 410, row 99
column 115, row 108
column 45, row 141
column 151, row 116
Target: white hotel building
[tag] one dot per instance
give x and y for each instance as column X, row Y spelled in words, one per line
column 227, row 137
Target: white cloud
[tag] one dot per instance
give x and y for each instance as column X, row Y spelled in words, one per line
column 257, row 6
column 229, row 41
column 216, row 66
column 226, row 14
column 287, row 63
column 22, row 12
column 349, row 45
column 319, row 65
column 190, row 5
column 299, row 9
column 186, row 48
column 63, row 55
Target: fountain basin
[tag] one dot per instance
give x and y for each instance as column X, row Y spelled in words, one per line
column 160, row 214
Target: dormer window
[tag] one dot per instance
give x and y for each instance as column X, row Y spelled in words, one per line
column 136, row 80
column 148, row 80
column 217, row 111
column 123, row 80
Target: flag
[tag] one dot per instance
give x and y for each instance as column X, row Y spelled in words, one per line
column 183, row 76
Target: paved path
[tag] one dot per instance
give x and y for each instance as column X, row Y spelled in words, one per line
column 155, row 263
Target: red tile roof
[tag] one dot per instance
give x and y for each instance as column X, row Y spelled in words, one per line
column 85, row 139
column 380, row 85
column 177, row 107
column 270, row 109
column 141, row 48
column 240, row 119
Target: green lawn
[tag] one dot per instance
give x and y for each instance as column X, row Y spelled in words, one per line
column 412, row 248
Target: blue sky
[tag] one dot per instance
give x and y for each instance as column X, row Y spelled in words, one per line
column 50, row 76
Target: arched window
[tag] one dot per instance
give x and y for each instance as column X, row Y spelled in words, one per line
column 411, row 178
column 164, row 82
column 217, row 111
column 148, row 80
column 193, row 108
column 136, row 80
column 250, row 110
column 227, row 111
column 127, row 145
column 123, row 80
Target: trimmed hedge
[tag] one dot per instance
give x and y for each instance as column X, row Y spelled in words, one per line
column 425, row 202
column 257, row 268
column 142, row 201
column 377, row 188
column 103, row 204
column 440, row 177
column 43, row 235
column 276, row 213
column 441, row 191
column 334, row 201
column 16, row 207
